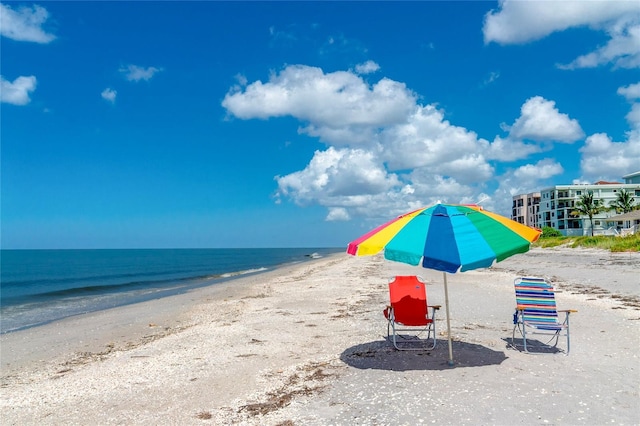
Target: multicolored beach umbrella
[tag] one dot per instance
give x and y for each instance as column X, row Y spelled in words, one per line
column 447, row 238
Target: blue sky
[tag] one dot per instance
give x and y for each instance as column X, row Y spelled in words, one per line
column 300, row 124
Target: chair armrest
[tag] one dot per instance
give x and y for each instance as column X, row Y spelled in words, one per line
column 568, row 310
column 436, row 307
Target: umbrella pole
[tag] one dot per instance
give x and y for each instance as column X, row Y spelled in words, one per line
column 446, row 304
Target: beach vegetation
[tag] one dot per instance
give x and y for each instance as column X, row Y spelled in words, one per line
column 549, row 242
column 588, row 206
column 604, row 242
column 548, row 232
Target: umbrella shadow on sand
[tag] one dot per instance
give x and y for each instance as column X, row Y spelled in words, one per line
column 380, row 355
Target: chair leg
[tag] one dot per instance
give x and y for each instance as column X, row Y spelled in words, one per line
column 567, row 323
column 392, row 332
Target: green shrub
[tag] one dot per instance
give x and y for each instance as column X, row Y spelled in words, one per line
column 548, row 232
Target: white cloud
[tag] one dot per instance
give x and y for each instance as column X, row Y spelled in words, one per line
column 630, row 92
column 109, row 94
column 337, row 173
column 337, row 213
column 385, row 152
column 426, row 139
column 523, row 180
column 540, row 120
column 136, row 73
column 633, row 117
column 525, row 21
column 510, row 150
column 623, row 49
column 603, row 159
column 339, row 106
column 367, row 68
column 24, row 24
column 543, row 169
column 17, row 92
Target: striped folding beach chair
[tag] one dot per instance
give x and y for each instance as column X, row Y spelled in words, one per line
column 536, row 313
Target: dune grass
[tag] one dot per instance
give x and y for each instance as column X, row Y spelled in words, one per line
column 605, row 242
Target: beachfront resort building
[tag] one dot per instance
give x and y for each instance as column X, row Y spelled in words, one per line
column 555, row 205
column 525, row 209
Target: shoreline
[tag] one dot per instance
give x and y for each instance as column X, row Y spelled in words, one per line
column 21, row 311
column 120, row 326
column 305, row 344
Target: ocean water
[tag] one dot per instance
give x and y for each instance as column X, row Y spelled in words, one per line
column 41, row 286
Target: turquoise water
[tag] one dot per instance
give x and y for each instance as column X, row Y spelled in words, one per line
column 40, row 286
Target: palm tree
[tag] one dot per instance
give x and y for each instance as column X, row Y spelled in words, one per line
column 624, row 203
column 589, row 206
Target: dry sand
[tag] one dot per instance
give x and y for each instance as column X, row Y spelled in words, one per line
column 305, row 345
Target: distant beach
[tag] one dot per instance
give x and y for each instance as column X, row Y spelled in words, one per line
column 304, row 344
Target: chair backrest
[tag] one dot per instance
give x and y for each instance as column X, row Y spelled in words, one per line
column 537, row 299
column 408, row 296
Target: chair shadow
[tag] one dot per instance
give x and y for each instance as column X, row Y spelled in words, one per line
column 381, row 355
column 533, row 346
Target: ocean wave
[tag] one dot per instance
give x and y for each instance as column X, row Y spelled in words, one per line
column 149, row 285
column 248, row 271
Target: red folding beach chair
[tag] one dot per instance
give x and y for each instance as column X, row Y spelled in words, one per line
column 408, row 312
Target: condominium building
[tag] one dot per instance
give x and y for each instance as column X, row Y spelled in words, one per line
column 557, row 203
column 553, row 206
column 632, row 177
column 525, row 209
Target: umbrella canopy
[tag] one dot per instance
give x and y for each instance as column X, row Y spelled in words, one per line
column 447, row 238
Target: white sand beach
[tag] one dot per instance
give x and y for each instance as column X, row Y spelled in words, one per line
column 305, row 345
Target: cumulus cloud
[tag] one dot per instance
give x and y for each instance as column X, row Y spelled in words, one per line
column 540, row 120
column 109, row 95
column 522, row 180
column 385, row 152
column 543, row 169
column 633, row 117
column 428, row 140
column 136, row 73
column 630, row 92
column 525, row 21
column 338, row 106
column 338, row 213
column 508, row 149
column 540, row 123
column 17, row 92
column 367, row 68
column 337, row 173
column 25, row 24
column 603, row 158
